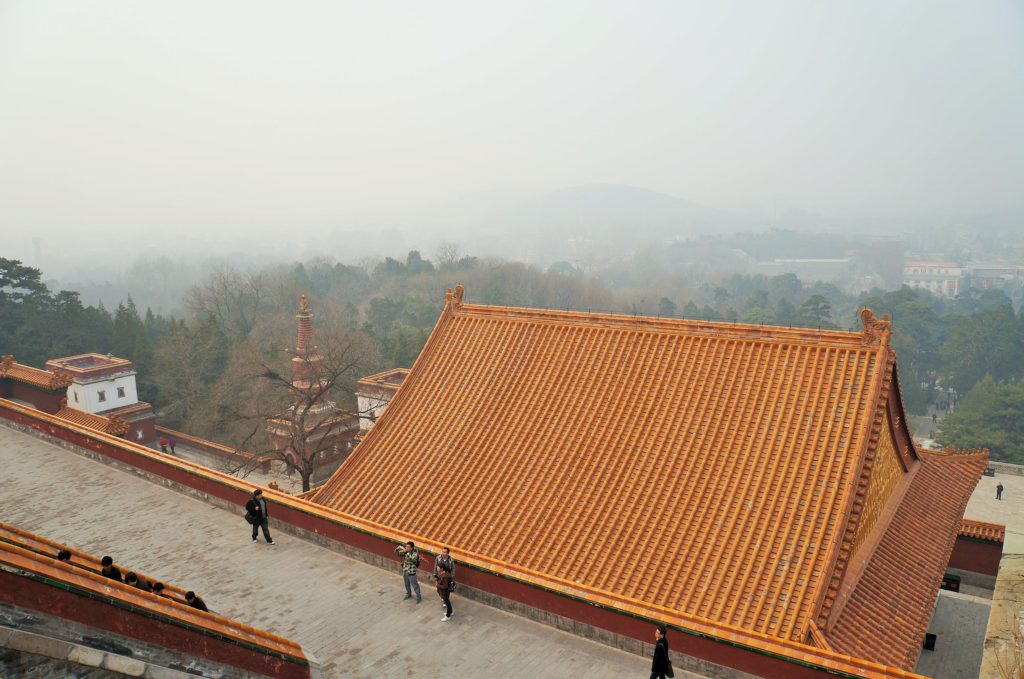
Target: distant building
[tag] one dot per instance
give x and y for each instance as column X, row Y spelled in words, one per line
column 942, row 278
column 104, row 385
column 988, row 276
column 374, row 392
column 25, row 385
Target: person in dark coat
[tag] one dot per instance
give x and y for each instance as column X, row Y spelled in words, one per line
column 256, row 508
column 443, row 567
column 196, row 602
column 660, row 665
column 999, row 491
column 109, row 570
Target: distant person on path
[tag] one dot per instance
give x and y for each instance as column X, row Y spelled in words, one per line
column 410, row 564
column 196, row 602
column 171, row 442
column 660, row 666
column 256, row 508
column 109, row 570
column 163, row 444
column 999, row 491
column 444, row 575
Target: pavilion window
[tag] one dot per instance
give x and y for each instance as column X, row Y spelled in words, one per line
column 120, row 392
column 102, row 395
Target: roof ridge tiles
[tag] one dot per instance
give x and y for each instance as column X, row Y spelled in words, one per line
column 866, row 338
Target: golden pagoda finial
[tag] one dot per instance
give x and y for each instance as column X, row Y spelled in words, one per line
column 303, row 304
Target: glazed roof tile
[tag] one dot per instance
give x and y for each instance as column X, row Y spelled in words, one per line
column 109, row 425
column 33, row 376
column 981, row 530
column 701, row 467
column 888, row 612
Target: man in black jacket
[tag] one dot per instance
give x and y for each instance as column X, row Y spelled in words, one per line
column 109, row 570
column 256, row 508
column 660, row 667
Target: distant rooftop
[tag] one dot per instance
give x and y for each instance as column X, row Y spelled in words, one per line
column 89, row 365
column 388, row 378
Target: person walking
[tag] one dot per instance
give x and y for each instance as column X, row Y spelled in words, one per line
column 999, row 491
column 171, row 442
column 661, row 667
column 410, row 564
column 444, row 576
column 256, row 514
column 163, row 444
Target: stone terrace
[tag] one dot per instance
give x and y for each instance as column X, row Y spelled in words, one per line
column 347, row 614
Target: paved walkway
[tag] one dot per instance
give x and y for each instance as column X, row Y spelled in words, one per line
column 346, row 613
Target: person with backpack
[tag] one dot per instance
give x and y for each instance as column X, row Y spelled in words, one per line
column 256, row 515
column 410, row 565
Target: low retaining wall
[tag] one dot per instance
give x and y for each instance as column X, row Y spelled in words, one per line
column 710, row 649
column 1007, row 468
column 221, row 452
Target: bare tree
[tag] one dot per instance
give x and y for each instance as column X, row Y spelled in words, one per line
column 447, row 254
column 236, row 300
column 282, row 408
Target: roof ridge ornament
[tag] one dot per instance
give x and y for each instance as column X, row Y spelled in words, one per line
column 303, row 304
column 454, row 299
column 875, row 331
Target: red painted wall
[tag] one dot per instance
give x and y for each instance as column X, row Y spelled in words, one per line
column 41, row 399
column 718, row 651
column 977, row 556
column 31, row 594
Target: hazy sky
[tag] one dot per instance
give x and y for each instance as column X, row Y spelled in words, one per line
column 188, row 116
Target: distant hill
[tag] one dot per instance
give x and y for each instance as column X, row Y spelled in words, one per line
column 592, row 220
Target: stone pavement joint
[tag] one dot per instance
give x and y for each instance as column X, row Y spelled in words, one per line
column 347, row 614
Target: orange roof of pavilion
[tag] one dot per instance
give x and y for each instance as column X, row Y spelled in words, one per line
column 714, row 470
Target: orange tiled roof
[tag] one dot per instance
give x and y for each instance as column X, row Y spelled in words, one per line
column 888, row 613
column 29, row 375
column 109, row 425
column 704, row 467
column 982, row 530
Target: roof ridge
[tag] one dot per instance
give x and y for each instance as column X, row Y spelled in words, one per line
column 831, row 585
column 875, row 331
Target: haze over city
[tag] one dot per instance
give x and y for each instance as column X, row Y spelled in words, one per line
column 342, row 128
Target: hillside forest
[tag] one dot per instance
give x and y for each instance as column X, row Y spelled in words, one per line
column 195, row 365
